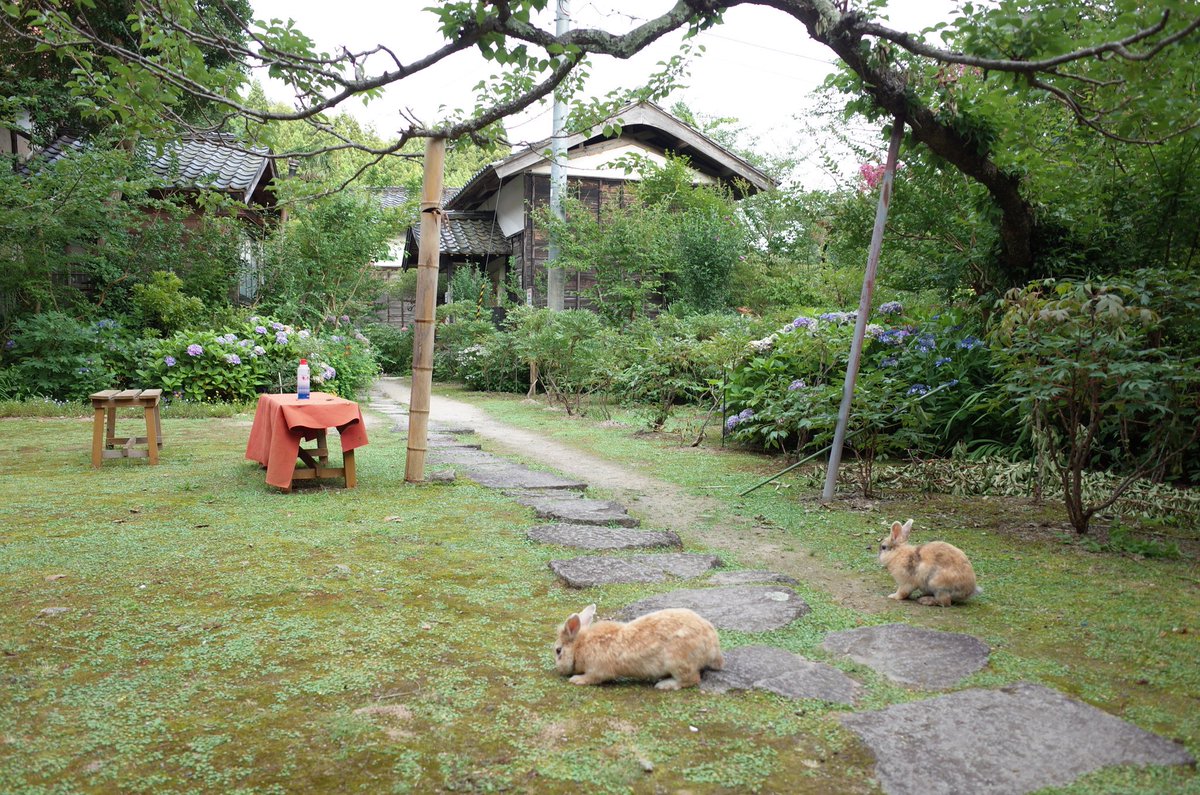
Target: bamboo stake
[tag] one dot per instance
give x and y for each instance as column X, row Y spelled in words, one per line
column 424, row 312
column 864, row 309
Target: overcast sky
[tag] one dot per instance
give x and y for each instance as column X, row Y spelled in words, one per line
column 759, row 66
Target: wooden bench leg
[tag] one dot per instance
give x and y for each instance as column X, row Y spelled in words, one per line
column 348, row 463
column 97, row 438
column 152, row 433
column 111, row 433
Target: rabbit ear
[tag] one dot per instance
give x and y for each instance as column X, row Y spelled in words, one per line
column 572, row 626
column 897, row 530
column 905, row 529
column 587, row 615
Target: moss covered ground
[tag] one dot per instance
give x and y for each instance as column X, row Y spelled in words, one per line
column 220, row 636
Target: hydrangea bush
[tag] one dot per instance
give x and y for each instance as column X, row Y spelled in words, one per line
column 786, row 392
column 260, row 355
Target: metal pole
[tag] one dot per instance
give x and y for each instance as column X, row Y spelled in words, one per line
column 864, row 309
column 425, row 308
column 555, row 278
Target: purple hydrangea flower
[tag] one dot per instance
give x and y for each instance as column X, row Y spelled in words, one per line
column 169, row 361
column 358, row 335
column 229, row 338
column 890, row 361
column 344, row 319
column 918, row 389
column 277, row 326
column 233, row 358
column 10, row 344
column 281, row 338
column 337, row 338
column 254, row 318
column 745, row 414
column 330, row 319
column 260, row 329
column 194, row 350
column 804, row 322
column 328, row 373
column 302, row 334
column 891, row 308
column 258, row 350
column 797, row 384
column 245, row 343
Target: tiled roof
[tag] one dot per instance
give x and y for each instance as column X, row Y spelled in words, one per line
column 192, row 163
column 469, row 234
column 395, row 196
column 211, row 163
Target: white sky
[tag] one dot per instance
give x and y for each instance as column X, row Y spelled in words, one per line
column 759, row 66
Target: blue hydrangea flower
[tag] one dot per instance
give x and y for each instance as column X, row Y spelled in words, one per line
column 890, row 361
column 970, row 343
column 804, row 322
column 302, row 334
column 953, row 382
column 894, row 336
column 926, row 343
column 10, row 344
column 891, row 308
column 918, row 389
column 943, row 360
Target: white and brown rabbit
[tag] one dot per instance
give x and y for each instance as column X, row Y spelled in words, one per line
column 940, row 571
column 669, row 647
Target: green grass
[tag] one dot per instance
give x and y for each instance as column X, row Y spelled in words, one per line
column 223, row 637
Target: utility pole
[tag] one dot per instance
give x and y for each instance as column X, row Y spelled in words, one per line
column 864, row 309
column 555, row 279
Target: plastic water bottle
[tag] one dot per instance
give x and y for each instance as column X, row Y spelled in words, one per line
column 302, row 380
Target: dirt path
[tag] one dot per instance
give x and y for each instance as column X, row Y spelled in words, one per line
column 659, row 504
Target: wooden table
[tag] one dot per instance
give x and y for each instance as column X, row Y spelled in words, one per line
column 282, row 422
column 105, row 442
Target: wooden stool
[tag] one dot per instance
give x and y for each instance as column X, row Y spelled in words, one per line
column 310, row 468
column 108, row 444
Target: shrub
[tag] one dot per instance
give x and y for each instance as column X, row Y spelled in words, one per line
column 1099, row 383
column 55, row 356
column 260, row 356
column 393, row 347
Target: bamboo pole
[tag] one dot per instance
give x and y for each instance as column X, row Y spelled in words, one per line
column 424, row 312
column 864, row 309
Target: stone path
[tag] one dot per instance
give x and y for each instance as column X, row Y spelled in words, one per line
column 1014, row 739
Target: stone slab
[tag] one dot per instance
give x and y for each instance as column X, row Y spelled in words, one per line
column 577, row 510
column 593, row 570
column 515, row 476
column 1017, row 739
column 465, row 456
column 912, row 656
column 748, row 576
column 442, row 441
column 782, row 672
column 450, row 430
column 746, row 608
column 585, row 536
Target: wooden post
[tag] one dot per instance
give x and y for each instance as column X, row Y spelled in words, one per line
column 424, row 311
column 864, row 309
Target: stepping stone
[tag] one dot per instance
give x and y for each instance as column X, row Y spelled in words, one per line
column 911, row 655
column 514, row 476
column 781, row 672
column 746, row 608
column 465, row 456
column 606, row 570
column 748, row 576
column 451, row 431
column 1017, row 739
column 577, row 510
column 442, row 441
column 585, row 536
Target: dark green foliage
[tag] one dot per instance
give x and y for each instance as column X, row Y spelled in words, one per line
column 52, row 355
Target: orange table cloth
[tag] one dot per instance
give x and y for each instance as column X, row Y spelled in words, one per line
column 281, row 422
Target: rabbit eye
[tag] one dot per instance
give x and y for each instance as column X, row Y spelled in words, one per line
column 558, row 651
column 883, row 546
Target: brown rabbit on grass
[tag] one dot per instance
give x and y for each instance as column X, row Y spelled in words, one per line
column 675, row 643
column 940, row 571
